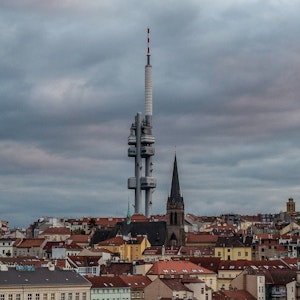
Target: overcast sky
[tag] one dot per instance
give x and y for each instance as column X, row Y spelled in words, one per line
column 226, row 86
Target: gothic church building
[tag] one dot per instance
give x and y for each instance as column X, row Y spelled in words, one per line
column 175, row 213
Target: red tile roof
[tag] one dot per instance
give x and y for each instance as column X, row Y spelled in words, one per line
column 57, row 230
column 158, row 250
column 175, row 284
column 118, row 268
column 84, row 261
column 210, row 263
column 106, row 282
column 198, row 250
column 30, row 261
column 28, row 243
column 136, row 281
column 201, row 238
column 80, row 238
column 114, row 241
column 139, row 218
column 178, row 267
column 108, row 222
column 233, row 295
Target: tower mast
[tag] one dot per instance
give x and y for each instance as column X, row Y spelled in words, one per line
column 140, row 141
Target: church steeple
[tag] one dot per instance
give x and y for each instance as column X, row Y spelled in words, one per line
column 175, row 195
column 175, row 212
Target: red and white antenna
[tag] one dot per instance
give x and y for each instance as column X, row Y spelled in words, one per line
column 148, row 46
column 148, row 83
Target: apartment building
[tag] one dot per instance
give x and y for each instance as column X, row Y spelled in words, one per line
column 29, row 283
column 129, row 249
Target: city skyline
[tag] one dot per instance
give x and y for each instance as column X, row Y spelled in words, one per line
column 225, row 98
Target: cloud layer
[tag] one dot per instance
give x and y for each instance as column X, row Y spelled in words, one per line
column 226, row 97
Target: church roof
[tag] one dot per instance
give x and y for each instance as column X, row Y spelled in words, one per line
column 155, row 231
column 175, row 195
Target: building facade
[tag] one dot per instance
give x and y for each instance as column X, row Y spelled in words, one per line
column 28, row 283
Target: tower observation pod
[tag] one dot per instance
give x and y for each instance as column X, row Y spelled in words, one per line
column 140, row 143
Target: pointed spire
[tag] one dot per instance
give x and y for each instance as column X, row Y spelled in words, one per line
column 175, row 187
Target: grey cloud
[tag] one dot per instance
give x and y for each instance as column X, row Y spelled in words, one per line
column 225, row 86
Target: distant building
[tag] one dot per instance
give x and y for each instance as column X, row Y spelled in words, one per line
column 234, row 248
column 182, row 269
column 30, row 247
column 128, row 249
column 6, row 247
column 290, row 206
column 176, row 288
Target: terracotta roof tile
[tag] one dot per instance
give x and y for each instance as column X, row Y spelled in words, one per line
column 233, row 295
column 106, row 282
column 28, row 243
column 201, row 238
column 175, row 284
column 136, row 281
column 179, row 267
column 85, row 261
column 80, row 238
column 118, row 269
column 57, row 230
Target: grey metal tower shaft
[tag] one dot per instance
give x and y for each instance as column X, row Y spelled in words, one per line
column 141, row 141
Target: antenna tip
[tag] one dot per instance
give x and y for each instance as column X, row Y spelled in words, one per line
column 148, row 46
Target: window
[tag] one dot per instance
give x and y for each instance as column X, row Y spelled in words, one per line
column 18, row 296
column 52, row 296
column 45, row 296
column 246, row 253
column 29, row 297
column 239, row 253
column 84, row 296
column 37, row 296
column 69, row 296
column 77, row 296
column 62, row 296
column 10, row 296
column 2, row 296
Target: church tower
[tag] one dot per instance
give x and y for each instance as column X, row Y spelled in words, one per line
column 175, row 212
column 290, row 206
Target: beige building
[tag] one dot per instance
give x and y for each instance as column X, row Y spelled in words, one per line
column 233, row 248
column 251, row 282
column 27, row 283
column 182, row 269
column 128, row 248
column 176, row 288
column 30, row 247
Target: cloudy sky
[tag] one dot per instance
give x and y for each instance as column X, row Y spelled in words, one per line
column 226, row 86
